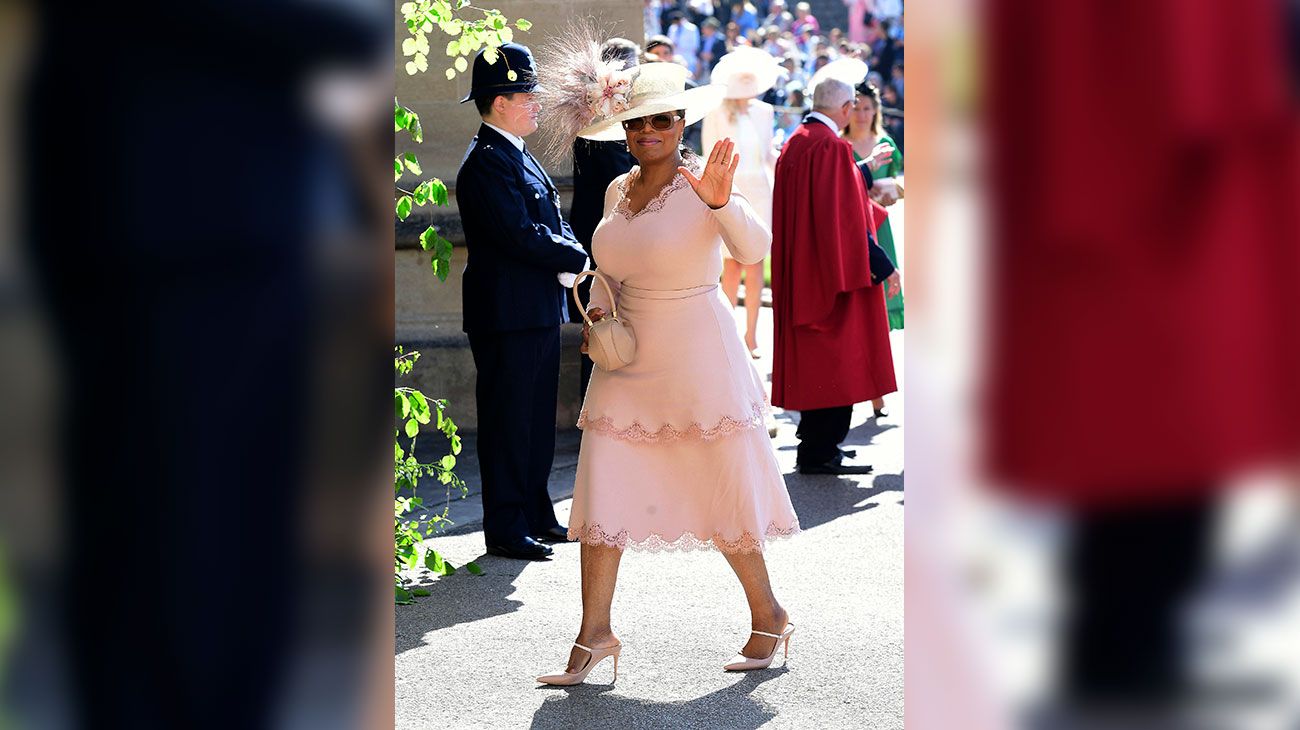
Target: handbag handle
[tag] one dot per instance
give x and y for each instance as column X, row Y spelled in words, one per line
column 601, row 277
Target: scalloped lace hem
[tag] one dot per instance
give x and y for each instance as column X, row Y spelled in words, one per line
column 666, row 433
column 597, row 535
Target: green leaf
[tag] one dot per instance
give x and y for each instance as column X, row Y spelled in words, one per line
column 427, row 238
column 397, row 168
column 401, row 405
column 490, row 55
column 412, row 428
column 434, row 562
column 473, row 568
column 512, row 76
column 437, row 192
column 401, row 597
column 411, row 68
column 421, row 194
column 498, row 22
column 455, row 444
column 421, row 592
column 420, row 407
column 410, row 47
column 448, row 462
column 523, row 25
column 403, row 207
column 408, row 9
column 451, row 74
column 461, row 64
column 417, row 132
column 421, row 61
column 441, row 269
column 442, row 249
column 412, row 163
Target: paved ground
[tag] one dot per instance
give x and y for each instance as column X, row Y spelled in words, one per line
column 467, row 655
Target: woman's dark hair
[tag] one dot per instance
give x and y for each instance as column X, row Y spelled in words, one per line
column 870, row 91
column 620, row 49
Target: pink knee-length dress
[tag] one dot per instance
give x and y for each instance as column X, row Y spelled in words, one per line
column 675, row 452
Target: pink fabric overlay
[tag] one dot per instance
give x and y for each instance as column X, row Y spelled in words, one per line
column 675, row 455
column 666, row 432
column 746, row 543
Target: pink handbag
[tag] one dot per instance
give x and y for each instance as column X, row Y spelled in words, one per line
column 611, row 344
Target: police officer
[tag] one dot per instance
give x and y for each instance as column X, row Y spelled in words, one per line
column 521, row 256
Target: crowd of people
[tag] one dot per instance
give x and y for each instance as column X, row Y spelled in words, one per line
column 697, row 33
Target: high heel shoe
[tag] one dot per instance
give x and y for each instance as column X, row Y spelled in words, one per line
column 571, row 678
column 742, row 663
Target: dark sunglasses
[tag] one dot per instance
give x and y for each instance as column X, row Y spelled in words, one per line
column 661, row 122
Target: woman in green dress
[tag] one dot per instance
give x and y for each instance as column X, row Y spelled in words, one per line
column 865, row 131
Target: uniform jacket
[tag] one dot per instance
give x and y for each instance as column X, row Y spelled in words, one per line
column 516, row 238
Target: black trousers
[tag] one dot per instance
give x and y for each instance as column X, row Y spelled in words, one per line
column 516, row 387
column 1129, row 572
column 820, row 433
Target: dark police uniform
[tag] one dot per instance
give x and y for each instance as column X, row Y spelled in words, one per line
column 513, row 308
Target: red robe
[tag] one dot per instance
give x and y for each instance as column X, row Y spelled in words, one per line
column 1146, row 249
column 832, row 332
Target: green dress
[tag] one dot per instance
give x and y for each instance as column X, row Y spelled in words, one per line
column 884, row 236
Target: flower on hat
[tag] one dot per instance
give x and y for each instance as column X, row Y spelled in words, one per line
column 608, row 93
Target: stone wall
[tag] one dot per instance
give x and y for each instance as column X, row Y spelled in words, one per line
column 428, row 312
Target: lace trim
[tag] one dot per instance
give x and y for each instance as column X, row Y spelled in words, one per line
column 597, row 535
column 624, row 207
column 668, row 433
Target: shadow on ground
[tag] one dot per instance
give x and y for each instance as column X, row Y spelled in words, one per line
column 588, row 705
column 460, row 598
column 818, row 499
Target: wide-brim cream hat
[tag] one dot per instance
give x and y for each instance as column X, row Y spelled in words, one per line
column 849, row 70
column 658, row 88
column 747, row 72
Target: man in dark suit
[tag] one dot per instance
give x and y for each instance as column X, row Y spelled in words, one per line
column 520, row 252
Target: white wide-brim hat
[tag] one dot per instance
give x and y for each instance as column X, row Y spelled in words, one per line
column 849, row 70
column 747, row 72
column 658, row 88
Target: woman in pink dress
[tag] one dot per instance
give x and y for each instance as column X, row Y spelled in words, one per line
column 675, row 454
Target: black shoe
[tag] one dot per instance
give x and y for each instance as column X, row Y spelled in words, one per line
column 835, row 466
column 525, row 548
column 559, row 533
column 847, row 453
column 880, row 412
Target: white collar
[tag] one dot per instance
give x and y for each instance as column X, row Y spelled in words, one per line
column 824, row 120
column 515, row 139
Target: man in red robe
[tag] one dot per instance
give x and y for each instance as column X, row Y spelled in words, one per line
column 832, row 334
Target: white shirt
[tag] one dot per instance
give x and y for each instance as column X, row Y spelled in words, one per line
column 515, row 139
column 824, row 120
column 566, row 279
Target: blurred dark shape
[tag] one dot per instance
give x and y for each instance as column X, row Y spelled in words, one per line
column 1144, row 178
column 206, row 246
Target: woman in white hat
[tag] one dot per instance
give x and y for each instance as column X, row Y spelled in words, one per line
column 674, row 451
column 747, row 73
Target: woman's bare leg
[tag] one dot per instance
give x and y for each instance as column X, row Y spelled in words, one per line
column 599, row 574
column 731, row 279
column 753, row 300
column 764, row 612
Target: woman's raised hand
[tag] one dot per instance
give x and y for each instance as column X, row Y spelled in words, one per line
column 714, row 184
